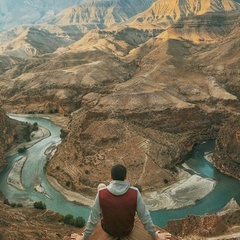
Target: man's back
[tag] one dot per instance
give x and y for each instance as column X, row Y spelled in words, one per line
column 118, row 211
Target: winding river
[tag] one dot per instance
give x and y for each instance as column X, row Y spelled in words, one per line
column 33, row 175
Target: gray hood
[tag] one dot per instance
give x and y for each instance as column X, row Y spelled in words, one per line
column 118, row 187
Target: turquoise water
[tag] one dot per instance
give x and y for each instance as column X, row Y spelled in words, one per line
column 226, row 188
column 33, row 173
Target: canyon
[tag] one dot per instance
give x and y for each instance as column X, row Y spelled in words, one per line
column 138, row 87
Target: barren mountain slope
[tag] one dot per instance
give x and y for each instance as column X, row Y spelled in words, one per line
column 101, row 13
column 60, row 81
column 34, row 40
column 164, row 13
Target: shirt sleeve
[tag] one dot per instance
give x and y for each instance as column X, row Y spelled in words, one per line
column 93, row 219
column 144, row 216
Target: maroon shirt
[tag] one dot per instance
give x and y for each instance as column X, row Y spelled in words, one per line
column 118, row 212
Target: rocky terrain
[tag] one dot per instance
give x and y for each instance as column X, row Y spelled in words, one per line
column 207, row 227
column 12, row 133
column 7, row 132
column 227, row 147
column 28, row 223
column 141, row 93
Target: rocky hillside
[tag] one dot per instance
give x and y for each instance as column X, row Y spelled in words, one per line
column 27, row 223
column 101, row 14
column 12, row 133
column 227, row 147
column 224, row 225
column 7, row 132
column 164, row 13
column 27, row 41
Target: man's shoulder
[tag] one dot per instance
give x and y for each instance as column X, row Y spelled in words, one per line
column 135, row 189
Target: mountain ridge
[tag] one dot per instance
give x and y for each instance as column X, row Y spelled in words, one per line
column 164, row 13
column 101, row 13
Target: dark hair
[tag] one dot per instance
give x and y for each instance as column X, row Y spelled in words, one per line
column 118, row 172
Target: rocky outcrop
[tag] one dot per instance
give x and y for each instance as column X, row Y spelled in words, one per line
column 12, row 133
column 226, row 155
column 27, row 223
column 196, row 227
column 7, row 132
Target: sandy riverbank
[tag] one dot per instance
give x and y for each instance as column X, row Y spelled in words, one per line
column 15, row 175
column 185, row 192
column 70, row 195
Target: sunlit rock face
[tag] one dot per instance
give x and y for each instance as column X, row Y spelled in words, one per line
column 226, row 156
column 164, row 13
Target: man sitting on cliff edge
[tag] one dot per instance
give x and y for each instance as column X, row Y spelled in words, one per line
column 116, row 205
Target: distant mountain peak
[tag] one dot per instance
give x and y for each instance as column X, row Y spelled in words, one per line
column 102, row 13
column 163, row 13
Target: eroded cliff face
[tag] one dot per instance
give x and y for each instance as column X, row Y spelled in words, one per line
column 7, row 132
column 12, row 133
column 195, row 227
column 227, row 152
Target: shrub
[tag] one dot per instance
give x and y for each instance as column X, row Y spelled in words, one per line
column 6, row 201
column 13, row 205
column 39, row 205
column 22, row 150
column 67, row 219
column 165, row 181
column 79, row 222
column 68, row 183
column 35, row 126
